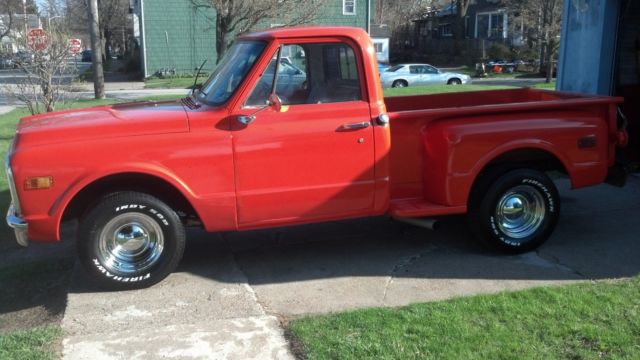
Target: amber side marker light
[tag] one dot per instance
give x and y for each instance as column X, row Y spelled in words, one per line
column 38, row 183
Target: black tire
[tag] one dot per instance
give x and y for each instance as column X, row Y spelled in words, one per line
column 454, row 81
column 399, row 84
column 514, row 211
column 142, row 222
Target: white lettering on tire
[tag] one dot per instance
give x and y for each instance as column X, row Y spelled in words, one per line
column 159, row 215
column 111, row 276
column 130, row 206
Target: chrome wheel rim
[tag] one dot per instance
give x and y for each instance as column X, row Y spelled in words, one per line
column 130, row 243
column 399, row 84
column 520, row 211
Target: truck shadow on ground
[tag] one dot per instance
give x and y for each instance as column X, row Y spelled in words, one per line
column 596, row 238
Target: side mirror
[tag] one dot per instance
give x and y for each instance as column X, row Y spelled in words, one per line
column 275, row 102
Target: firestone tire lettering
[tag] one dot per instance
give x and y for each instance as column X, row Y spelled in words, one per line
column 119, row 278
column 485, row 199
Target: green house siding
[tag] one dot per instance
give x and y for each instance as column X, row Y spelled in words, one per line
column 331, row 14
column 178, row 37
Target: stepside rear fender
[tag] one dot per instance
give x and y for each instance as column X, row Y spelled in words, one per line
column 457, row 150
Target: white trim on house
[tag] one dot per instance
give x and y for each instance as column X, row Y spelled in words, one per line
column 143, row 41
column 505, row 23
column 344, row 7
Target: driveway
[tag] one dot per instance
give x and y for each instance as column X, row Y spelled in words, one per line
column 234, row 291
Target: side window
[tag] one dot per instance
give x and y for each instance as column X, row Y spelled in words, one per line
column 414, row 69
column 431, row 70
column 291, row 85
column 337, row 80
column 314, row 73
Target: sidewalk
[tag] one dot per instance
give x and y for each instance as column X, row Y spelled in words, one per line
column 113, row 86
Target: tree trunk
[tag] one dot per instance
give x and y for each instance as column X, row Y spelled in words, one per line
column 96, row 46
column 221, row 38
column 549, row 60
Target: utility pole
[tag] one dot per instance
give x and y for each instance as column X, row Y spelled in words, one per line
column 26, row 19
column 96, row 50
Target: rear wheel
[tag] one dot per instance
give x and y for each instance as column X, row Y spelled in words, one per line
column 130, row 240
column 399, row 84
column 454, row 81
column 514, row 211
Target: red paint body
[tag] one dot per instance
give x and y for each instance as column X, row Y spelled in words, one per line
column 295, row 167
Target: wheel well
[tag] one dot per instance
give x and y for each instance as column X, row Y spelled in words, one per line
column 142, row 183
column 531, row 158
column 454, row 79
column 401, row 80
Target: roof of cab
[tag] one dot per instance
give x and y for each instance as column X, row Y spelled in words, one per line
column 306, row 31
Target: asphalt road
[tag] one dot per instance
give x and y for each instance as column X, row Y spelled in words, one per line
column 14, row 76
column 233, row 289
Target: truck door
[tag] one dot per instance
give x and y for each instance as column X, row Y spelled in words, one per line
column 313, row 159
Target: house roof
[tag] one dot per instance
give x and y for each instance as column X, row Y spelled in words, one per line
column 380, row 31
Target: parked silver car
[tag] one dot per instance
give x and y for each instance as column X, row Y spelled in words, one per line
column 404, row 75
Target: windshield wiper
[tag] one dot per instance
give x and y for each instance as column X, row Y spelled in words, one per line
column 193, row 88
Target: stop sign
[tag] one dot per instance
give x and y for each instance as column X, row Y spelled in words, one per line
column 37, row 39
column 75, row 45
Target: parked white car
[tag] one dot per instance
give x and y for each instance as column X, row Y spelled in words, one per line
column 404, row 75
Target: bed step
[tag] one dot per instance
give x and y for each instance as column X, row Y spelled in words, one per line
column 421, row 208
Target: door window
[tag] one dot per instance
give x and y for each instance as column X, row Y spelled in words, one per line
column 310, row 74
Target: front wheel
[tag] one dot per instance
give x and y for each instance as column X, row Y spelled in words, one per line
column 399, row 84
column 130, row 240
column 454, row 81
column 515, row 211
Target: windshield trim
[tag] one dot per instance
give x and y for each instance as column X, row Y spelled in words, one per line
column 202, row 96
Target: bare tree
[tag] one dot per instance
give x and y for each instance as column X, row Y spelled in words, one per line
column 48, row 74
column 237, row 16
column 461, row 11
column 113, row 17
column 401, row 12
column 545, row 17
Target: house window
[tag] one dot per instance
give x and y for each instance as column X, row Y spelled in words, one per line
column 379, row 47
column 496, row 26
column 348, row 7
column 490, row 25
column 445, row 30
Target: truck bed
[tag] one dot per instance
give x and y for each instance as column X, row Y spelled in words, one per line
column 492, row 100
column 441, row 141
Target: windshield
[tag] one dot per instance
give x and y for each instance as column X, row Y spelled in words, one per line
column 230, row 72
column 394, row 68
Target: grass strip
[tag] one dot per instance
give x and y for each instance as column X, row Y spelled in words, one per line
column 582, row 321
column 37, row 344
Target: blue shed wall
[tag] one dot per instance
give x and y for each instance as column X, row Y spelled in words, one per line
column 587, row 52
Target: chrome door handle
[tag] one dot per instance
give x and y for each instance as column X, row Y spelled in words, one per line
column 355, row 126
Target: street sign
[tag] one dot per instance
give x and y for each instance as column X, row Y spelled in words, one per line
column 75, row 45
column 37, row 39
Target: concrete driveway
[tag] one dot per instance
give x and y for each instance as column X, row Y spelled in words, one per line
column 233, row 290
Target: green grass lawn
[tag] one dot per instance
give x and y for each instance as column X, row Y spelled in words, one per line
column 36, row 344
column 439, row 89
column 172, row 82
column 583, row 321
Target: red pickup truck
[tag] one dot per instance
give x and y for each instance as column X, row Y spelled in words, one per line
column 292, row 128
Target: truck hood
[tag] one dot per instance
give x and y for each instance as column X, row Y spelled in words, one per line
column 132, row 119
